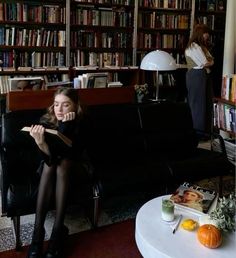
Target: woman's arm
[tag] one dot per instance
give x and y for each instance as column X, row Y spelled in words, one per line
column 67, row 125
column 210, row 60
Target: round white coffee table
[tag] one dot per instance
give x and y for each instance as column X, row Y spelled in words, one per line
column 155, row 239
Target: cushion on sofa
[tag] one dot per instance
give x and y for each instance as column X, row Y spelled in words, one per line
column 114, row 134
column 167, row 129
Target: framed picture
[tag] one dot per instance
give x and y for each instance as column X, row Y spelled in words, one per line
column 25, row 83
column 97, row 80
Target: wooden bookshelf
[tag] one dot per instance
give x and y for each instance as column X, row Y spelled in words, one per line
column 102, row 36
column 32, row 40
column 224, row 116
column 61, row 39
column 163, row 25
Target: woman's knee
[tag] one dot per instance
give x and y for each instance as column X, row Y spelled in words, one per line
column 48, row 170
column 64, row 167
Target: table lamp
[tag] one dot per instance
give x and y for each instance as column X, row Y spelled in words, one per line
column 158, row 60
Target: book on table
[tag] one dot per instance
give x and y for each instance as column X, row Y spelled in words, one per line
column 53, row 138
column 194, row 198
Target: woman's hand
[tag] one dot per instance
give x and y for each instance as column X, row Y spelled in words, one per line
column 37, row 132
column 210, row 62
column 69, row 116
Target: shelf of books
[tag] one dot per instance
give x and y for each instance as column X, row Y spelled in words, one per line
column 224, row 119
column 61, row 40
column 32, row 40
column 163, row 25
column 211, row 13
column 102, row 38
column 224, row 107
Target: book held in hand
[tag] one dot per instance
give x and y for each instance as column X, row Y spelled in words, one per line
column 193, row 198
column 53, row 138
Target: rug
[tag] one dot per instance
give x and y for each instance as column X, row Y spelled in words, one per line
column 228, row 184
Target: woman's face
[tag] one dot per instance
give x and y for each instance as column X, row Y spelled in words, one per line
column 190, row 196
column 206, row 37
column 62, row 105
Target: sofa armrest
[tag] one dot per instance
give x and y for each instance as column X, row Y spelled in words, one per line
column 217, row 141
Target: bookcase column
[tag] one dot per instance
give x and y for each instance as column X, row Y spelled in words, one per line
column 230, row 42
column 68, row 33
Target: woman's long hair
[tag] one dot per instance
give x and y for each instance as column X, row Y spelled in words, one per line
column 49, row 118
column 197, row 36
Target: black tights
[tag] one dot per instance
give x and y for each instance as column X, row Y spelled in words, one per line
column 53, row 177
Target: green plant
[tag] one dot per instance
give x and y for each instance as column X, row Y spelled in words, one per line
column 224, row 214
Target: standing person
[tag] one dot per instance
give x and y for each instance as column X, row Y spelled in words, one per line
column 198, row 80
column 64, row 115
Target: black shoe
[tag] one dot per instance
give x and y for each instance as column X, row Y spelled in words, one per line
column 36, row 246
column 55, row 244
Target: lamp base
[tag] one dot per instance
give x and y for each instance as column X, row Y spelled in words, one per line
column 157, row 100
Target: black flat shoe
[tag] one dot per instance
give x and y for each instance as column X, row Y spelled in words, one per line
column 55, row 245
column 35, row 250
column 36, row 246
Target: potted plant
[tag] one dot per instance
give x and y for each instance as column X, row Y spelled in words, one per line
column 141, row 92
column 224, row 214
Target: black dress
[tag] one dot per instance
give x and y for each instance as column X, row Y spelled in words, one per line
column 75, row 131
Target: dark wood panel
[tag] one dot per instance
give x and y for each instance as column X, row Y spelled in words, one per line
column 23, row 100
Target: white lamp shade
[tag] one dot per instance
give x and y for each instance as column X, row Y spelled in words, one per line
column 158, row 60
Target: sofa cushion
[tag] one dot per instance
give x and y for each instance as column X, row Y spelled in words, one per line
column 167, row 129
column 115, row 134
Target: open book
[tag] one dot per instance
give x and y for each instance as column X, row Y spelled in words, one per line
column 53, row 138
column 194, row 198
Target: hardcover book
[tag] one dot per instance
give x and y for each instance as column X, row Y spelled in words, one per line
column 54, row 138
column 194, row 198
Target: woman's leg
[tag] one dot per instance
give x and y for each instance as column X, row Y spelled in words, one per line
column 59, row 230
column 45, row 194
column 62, row 186
column 46, row 187
column 196, row 85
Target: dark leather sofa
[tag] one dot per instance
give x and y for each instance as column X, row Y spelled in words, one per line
column 132, row 148
column 149, row 147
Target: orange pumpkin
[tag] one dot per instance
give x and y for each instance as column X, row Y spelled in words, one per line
column 209, row 235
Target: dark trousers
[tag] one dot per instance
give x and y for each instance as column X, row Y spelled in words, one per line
column 200, row 96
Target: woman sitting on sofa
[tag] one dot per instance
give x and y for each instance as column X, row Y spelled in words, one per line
column 63, row 115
